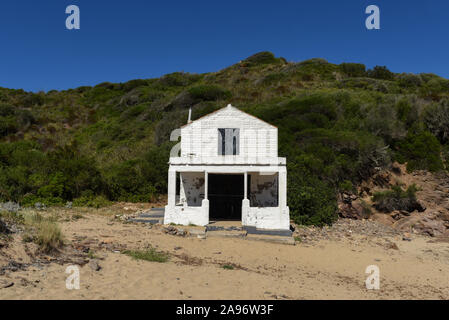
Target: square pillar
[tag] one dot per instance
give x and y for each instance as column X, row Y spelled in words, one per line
column 245, row 195
column 245, row 203
column 206, row 184
column 171, row 188
column 205, row 202
column 282, row 175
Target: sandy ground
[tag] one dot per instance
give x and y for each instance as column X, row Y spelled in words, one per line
column 417, row 269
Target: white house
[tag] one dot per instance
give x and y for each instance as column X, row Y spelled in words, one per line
column 228, row 169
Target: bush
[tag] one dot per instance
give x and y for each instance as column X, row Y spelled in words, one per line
column 260, row 58
column 208, row 93
column 353, row 69
column 436, row 119
column 91, row 201
column 410, row 80
column 421, row 151
column 380, row 72
column 397, row 199
column 177, row 79
column 147, row 255
column 310, row 200
column 381, row 121
column 49, row 236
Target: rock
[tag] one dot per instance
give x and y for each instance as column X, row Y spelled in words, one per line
column 406, row 237
column 93, row 264
column 10, row 207
column 5, row 284
column 392, row 245
column 69, row 205
column 40, row 206
column 383, row 218
column 352, row 210
column 426, row 224
column 171, row 230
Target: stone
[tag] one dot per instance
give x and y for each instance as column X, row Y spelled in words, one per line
column 40, row 206
column 406, row 237
column 93, row 264
column 352, row 210
column 69, row 205
column 5, row 284
column 426, row 224
column 10, row 207
column 383, row 218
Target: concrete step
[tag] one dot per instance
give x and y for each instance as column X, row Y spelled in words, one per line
column 148, row 220
column 272, row 239
column 255, row 231
column 157, row 209
column 152, row 215
column 226, row 233
column 222, row 228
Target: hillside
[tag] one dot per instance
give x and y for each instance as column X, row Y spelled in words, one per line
column 338, row 124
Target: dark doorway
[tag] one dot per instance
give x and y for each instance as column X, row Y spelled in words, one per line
column 225, row 193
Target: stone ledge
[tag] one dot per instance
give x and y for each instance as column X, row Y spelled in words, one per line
column 226, row 234
column 272, row 239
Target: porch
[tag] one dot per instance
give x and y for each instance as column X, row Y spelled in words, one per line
column 253, row 195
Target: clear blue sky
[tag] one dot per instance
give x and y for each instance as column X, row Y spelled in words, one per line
column 123, row 40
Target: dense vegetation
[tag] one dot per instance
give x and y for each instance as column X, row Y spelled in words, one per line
column 337, row 124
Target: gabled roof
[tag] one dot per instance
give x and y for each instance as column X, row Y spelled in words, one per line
column 227, row 109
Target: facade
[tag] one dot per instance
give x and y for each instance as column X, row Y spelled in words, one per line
column 228, row 169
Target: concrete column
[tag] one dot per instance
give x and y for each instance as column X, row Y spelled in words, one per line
column 245, row 203
column 205, row 202
column 171, row 188
column 282, row 177
column 206, row 184
column 245, row 195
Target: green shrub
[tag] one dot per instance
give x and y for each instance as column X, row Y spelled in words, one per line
column 346, row 186
column 410, row 80
column 228, row 267
column 260, row 58
column 353, row 69
column 397, row 199
column 406, row 112
column 380, row 72
column 421, row 151
column 208, row 93
column 436, row 119
column 49, row 236
column 147, row 255
column 91, row 201
column 311, row 201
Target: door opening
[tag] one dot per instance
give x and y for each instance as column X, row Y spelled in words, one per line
column 225, row 196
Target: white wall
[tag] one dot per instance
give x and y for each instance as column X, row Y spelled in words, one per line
column 264, row 190
column 258, row 140
column 192, row 188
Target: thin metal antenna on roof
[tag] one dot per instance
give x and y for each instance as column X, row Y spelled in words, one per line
column 190, row 115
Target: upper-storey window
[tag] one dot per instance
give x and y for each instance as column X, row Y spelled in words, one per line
column 228, row 142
